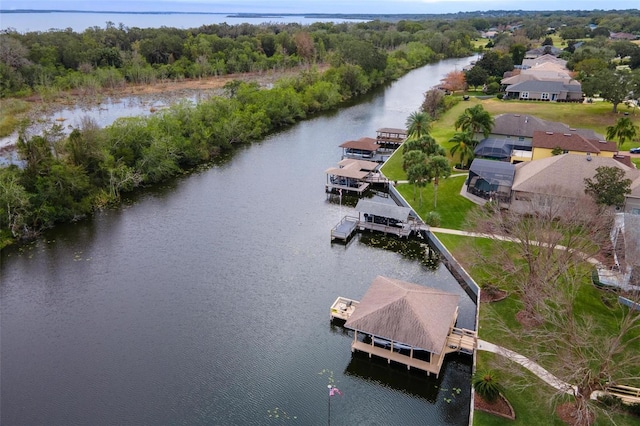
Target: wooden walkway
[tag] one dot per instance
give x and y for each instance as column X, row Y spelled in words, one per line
column 462, row 340
column 627, row 394
column 403, row 231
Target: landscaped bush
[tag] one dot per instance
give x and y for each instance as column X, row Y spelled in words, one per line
column 486, row 385
column 433, row 219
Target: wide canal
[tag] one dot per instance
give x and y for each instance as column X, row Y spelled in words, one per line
column 206, row 301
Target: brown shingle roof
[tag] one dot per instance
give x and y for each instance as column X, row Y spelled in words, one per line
column 566, row 171
column 365, row 144
column 524, row 125
column 406, row 313
column 570, row 142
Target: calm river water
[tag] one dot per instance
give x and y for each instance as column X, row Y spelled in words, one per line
column 206, row 301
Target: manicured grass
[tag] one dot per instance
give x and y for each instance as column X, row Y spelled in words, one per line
column 392, row 168
column 451, row 206
column 530, row 397
column 530, row 402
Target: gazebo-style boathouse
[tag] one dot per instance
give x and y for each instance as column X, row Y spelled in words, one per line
column 353, row 176
column 363, row 148
column 390, row 138
column 407, row 323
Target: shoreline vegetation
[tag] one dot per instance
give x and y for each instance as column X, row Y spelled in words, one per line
column 66, row 178
column 136, row 152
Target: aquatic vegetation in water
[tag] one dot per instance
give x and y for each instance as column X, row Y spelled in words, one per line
column 410, row 248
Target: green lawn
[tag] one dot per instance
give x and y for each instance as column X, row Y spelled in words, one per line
column 530, row 402
column 451, row 206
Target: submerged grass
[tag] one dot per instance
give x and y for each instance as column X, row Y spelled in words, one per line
column 10, row 112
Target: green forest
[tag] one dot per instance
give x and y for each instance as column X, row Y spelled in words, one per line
column 67, row 177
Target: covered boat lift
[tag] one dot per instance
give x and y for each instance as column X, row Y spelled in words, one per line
column 391, row 138
column 363, row 148
column 387, row 218
column 353, row 176
column 409, row 324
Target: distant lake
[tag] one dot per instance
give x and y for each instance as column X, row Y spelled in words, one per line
column 80, row 21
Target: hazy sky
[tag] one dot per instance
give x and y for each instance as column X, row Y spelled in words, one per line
column 328, row 6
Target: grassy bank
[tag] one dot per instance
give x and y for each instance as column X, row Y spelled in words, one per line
column 531, row 398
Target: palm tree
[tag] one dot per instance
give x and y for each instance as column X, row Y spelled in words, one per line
column 414, row 164
column 623, row 129
column 426, row 144
column 438, row 166
column 418, row 124
column 475, row 120
column 418, row 175
column 464, row 146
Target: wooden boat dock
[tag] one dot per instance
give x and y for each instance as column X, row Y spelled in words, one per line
column 390, row 138
column 379, row 217
column 378, row 326
column 342, row 308
column 353, row 176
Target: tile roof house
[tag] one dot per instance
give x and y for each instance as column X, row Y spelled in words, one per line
column 565, row 174
column 511, row 137
column 545, row 90
column 533, row 62
column 544, row 143
column 547, row 80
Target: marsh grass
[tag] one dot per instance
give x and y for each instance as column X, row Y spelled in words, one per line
column 11, row 111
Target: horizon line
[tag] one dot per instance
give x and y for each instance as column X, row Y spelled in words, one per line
column 275, row 14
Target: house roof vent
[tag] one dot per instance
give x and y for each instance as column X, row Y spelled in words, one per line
column 588, row 156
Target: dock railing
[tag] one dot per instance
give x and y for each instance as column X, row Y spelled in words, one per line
column 345, row 228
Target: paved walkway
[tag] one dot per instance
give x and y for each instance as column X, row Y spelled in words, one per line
column 529, row 365
column 500, row 237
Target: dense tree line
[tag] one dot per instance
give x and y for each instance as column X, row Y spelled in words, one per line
column 36, row 62
column 67, row 177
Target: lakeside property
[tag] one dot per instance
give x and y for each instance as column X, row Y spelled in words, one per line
column 454, row 215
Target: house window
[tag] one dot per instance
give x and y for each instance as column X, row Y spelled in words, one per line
column 545, row 97
column 524, row 95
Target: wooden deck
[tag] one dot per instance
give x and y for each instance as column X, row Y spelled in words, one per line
column 432, row 367
column 403, row 231
column 342, row 308
column 627, row 394
column 332, row 187
column 461, row 340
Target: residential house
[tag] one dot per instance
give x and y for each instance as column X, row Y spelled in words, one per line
column 622, row 36
column 545, row 90
column 511, row 138
column 490, row 180
column 548, row 144
column 547, row 58
column 546, row 80
column 565, row 174
column 542, row 50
